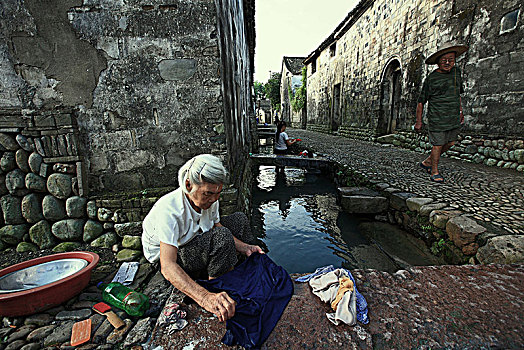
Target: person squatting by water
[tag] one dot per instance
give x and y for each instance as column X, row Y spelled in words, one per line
column 441, row 89
column 184, row 232
column 282, row 140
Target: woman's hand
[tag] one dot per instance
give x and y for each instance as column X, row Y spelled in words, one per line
column 253, row 249
column 249, row 249
column 220, row 304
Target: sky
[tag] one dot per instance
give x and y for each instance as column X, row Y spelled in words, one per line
column 293, row 28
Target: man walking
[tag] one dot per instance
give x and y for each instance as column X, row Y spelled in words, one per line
column 441, row 89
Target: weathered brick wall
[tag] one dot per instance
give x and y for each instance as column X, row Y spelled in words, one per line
column 151, row 83
column 384, row 35
column 158, row 103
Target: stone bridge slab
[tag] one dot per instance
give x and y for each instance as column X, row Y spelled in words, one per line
column 293, row 161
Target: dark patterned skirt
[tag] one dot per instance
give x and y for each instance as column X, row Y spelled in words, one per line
column 213, row 253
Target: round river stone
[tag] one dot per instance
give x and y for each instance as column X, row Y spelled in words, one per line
column 35, row 161
column 12, row 209
column 68, row 230
column 59, row 185
column 32, row 208
column 40, row 234
column 53, row 208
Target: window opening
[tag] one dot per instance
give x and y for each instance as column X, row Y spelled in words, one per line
column 509, row 21
column 333, row 49
column 313, row 66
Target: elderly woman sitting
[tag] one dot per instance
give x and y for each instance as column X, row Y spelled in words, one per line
column 185, row 233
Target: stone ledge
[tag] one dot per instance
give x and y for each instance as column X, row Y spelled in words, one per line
column 445, row 306
column 464, row 233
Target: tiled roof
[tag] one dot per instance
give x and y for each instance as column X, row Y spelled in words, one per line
column 294, row 64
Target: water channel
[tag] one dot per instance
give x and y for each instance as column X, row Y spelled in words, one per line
column 296, row 215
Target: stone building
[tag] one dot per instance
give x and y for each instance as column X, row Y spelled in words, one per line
column 104, row 97
column 364, row 79
column 263, row 111
column 291, row 80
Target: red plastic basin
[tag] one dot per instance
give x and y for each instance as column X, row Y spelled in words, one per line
column 41, row 298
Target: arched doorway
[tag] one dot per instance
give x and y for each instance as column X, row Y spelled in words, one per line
column 390, row 93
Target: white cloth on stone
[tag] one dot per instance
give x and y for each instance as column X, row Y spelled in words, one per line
column 173, row 221
column 326, row 287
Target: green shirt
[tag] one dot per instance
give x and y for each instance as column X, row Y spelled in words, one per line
column 442, row 91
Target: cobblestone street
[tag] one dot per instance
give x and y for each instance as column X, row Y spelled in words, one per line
column 494, row 196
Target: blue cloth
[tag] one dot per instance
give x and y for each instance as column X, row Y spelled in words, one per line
column 362, row 304
column 262, row 291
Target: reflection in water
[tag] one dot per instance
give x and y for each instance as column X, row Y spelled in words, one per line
column 296, row 215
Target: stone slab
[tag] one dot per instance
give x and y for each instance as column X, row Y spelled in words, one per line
column 357, row 191
column 360, row 204
column 397, row 200
column 462, row 230
column 440, row 306
column 415, row 203
column 426, row 210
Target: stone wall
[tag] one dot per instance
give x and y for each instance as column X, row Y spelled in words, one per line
column 503, row 153
column 151, row 83
column 42, row 192
column 376, row 58
column 43, row 181
column 450, row 233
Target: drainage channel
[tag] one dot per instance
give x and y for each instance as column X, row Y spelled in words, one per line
column 297, row 217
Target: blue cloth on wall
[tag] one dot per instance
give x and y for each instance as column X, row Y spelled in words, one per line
column 262, row 291
column 362, row 304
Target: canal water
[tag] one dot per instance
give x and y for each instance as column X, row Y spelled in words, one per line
column 296, row 215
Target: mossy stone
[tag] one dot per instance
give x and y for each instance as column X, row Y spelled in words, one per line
column 40, row 234
column 92, row 230
column 66, row 247
column 132, row 242
column 128, row 255
column 13, row 234
column 26, row 247
column 107, row 240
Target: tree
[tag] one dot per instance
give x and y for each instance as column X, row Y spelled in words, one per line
column 272, row 90
column 298, row 100
column 259, row 90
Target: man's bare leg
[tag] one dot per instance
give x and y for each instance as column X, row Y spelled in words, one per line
column 436, row 151
column 428, row 162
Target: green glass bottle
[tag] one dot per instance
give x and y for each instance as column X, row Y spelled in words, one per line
column 122, row 297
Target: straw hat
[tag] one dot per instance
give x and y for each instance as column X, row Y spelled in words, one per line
column 446, row 48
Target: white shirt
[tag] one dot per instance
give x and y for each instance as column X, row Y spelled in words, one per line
column 280, row 144
column 173, row 221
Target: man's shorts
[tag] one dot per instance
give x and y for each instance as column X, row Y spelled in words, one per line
column 440, row 138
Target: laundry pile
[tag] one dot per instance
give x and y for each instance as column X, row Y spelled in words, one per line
column 338, row 288
column 262, row 291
